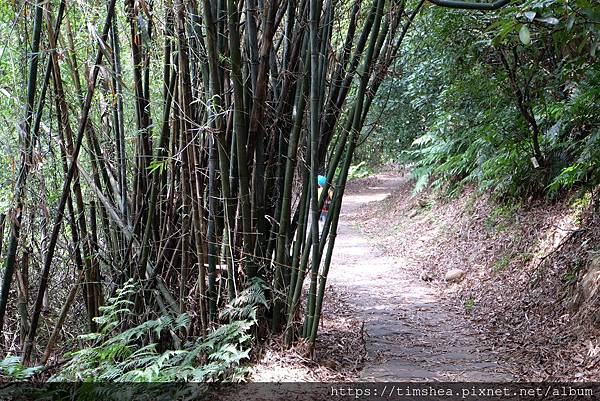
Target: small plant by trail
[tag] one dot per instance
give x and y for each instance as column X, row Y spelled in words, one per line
column 11, row 368
column 139, row 354
column 133, row 355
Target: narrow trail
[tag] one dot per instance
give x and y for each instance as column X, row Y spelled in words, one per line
column 411, row 335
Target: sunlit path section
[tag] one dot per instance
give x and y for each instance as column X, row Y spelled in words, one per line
column 410, row 335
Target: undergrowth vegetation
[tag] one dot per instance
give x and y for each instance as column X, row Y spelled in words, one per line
column 179, row 144
column 155, row 351
column 137, row 354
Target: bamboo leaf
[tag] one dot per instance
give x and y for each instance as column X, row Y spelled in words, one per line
column 548, row 20
column 524, row 35
column 530, row 15
column 570, row 23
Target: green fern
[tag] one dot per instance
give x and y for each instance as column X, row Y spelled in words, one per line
column 12, row 368
column 245, row 305
column 122, row 357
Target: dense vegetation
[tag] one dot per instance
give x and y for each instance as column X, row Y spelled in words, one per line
column 508, row 100
column 159, row 209
column 160, row 161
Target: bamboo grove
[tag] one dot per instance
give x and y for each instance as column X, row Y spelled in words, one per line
column 182, row 141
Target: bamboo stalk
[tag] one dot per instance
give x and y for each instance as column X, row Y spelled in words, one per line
column 355, row 132
column 315, row 103
column 61, row 318
column 66, row 187
column 2, row 221
column 62, row 111
column 240, row 132
column 30, row 139
column 284, row 219
column 118, row 119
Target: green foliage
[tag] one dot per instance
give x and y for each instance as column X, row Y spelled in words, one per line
column 469, row 304
column 360, row 170
column 453, row 111
column 12, row 369
column 245, row 305
column 158, row 166
column 499, row 218
column 572, row 275
column 135, row 355
column 501, row 263
column 580, row 123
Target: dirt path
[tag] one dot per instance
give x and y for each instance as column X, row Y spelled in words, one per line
column 411, row 334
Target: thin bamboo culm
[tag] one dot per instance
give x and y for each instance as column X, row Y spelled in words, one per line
column 193, row 169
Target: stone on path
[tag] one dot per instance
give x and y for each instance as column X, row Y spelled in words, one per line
column 454, row 275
